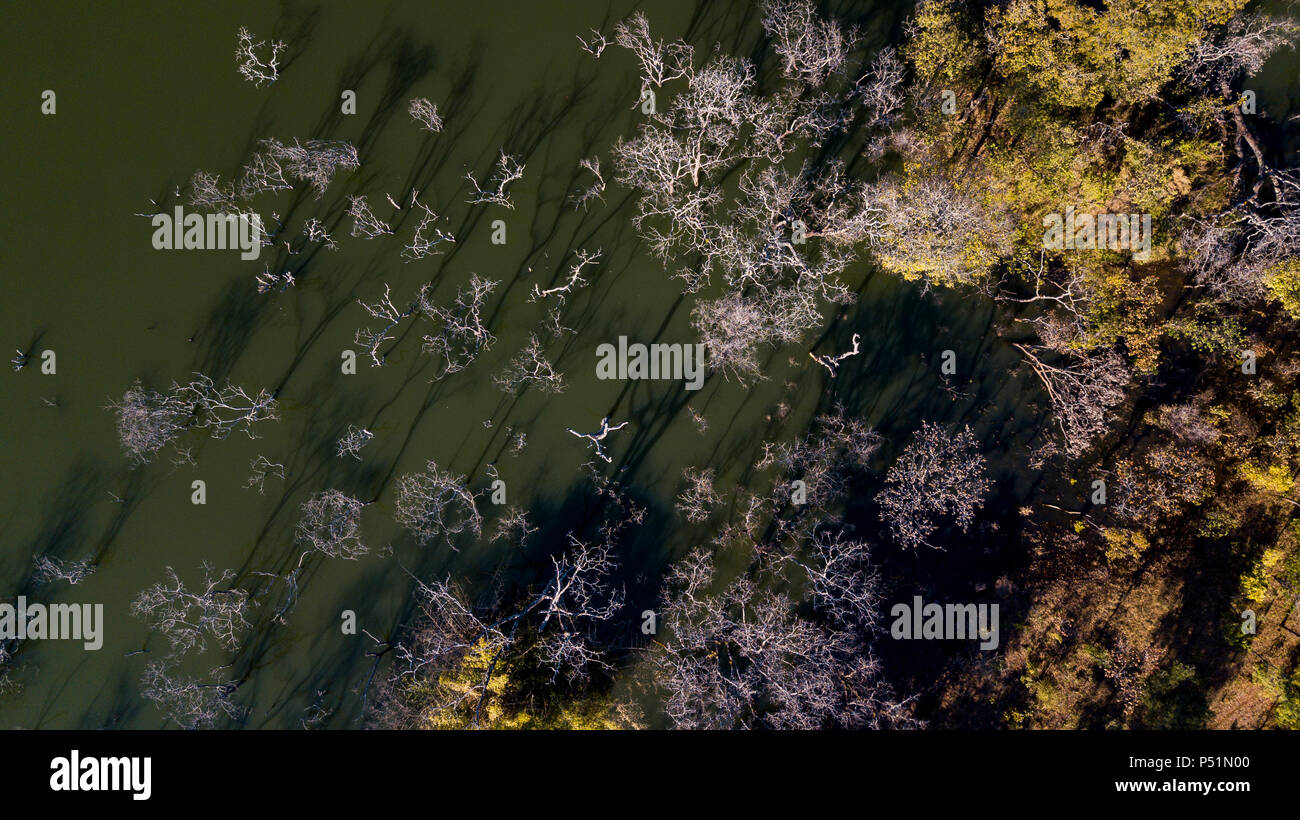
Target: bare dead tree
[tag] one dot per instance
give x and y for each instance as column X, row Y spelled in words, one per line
column 513, row 527
column 660, row 62
column 148, row 420
column 1067, row 292
column 743, row 658
column 278, row 166
column 530, row 368
column 427, row 237
column 384, row 310
column 434, row 504
column 811, row 48
column 823, row 460
column 938, row 474
column 656, row 163
column 1233, row 254
column 269, row 280
column 577, row 596
column 352, row 441
column 594, row 45
column 598, row 437
column 462, row 335
column 778, row 288
column 187, row 619
column 582, row 258
column 364, row 221
column 1082, row 388
column 223, row 410
column 187, row 701
column 426, row 114
column 331, row 525
column 315, row 231
column 316, row 161
column 264, row 173
column 1242, row 48
column 708, row 117
column 50, row 569
column 697, row 502
column 778, row 285
column 507, row 171
column 882, row 90
column 450, row 657
column 595, row 190
column 444, row 632
column 676, row 151
column 731, row 329
column 1187, row 422
column 258, row 68
column 263, row 468
column 207, row 191
column 832, row 363
column 844, row 582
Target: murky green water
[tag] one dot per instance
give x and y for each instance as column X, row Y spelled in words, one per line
column 146, row 97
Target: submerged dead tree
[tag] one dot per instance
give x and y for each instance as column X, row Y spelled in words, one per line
column 939, row 474
column 189, row 702
column 257, row 60
column 450, row 667
column 743, row 657
column 188, row 618
column 149, row 420
column 331, row 525
column 434, row 504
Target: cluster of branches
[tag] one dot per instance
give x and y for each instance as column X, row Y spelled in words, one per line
column 261, row 468
column 462, row 336
column 427, row 236
column 696, row 503
column 364, row 221
column 192, row 703
column 1243, row 255
column 530, row 368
